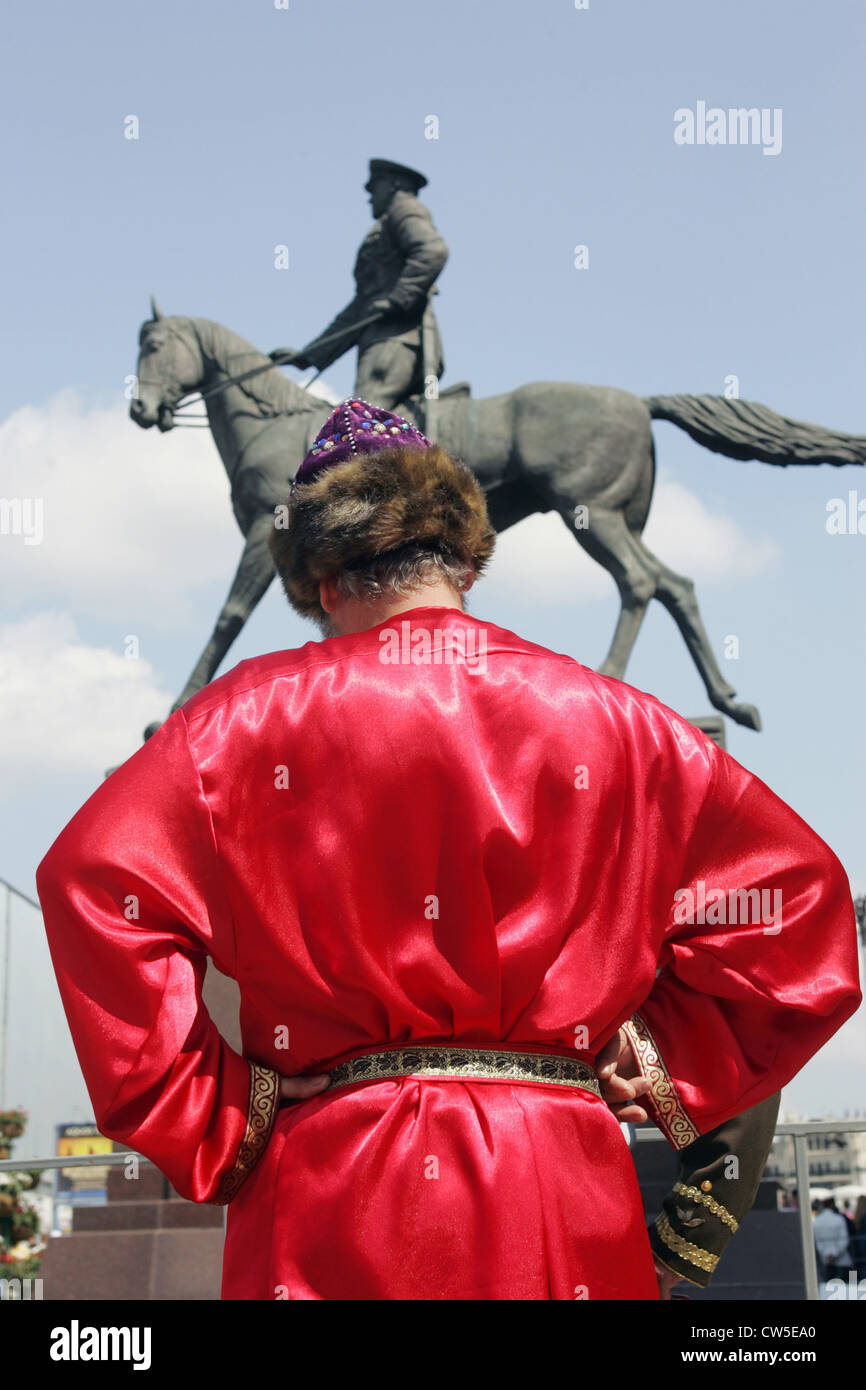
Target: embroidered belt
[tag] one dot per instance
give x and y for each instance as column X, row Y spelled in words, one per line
column 466, row 1063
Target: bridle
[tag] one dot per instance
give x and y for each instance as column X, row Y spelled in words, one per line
column 191, row 399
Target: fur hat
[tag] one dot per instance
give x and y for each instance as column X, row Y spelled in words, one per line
column 371, row 504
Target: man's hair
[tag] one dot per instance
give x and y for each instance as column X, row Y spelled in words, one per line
column 402, row 572
column 399, row 574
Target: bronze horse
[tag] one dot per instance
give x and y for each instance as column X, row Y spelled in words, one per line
column 585, row 452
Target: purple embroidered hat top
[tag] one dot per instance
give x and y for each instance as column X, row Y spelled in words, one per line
column 356, row 427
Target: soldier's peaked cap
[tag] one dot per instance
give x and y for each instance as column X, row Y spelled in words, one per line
column 388, row 167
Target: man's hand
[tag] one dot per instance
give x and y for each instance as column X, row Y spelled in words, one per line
column 381, row 306
column 666, row 1278
column 621, row 1086
column 303, row 1087
column 621, row 1081
column 287, row 357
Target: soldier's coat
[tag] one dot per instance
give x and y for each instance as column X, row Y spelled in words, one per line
column 400, row 258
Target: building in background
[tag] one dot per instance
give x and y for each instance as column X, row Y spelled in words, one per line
column 837, row 1162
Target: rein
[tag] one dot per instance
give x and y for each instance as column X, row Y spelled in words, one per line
column 195, row 398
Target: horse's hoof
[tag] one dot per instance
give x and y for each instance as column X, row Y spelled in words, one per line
column 747, row 715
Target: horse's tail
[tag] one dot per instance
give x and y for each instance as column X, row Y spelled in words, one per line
column 746, row 430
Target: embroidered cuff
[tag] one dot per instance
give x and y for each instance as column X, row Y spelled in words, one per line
column 694, row 1194
column 263, row 1105
column 668, row 1110
column 679, row 1255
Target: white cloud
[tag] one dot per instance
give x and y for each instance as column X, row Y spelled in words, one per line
column 540, row 560
column 707, row 548
column 66, row 707
column 131, row 519
column 320, row 388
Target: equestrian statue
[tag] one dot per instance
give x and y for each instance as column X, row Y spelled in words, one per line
column 585, row 452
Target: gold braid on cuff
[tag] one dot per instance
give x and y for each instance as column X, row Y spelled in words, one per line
column 670, row 1112
column 693, row 1254
column 263, row 1105
column 694, row 1194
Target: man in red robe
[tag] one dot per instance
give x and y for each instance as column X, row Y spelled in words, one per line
column 448, row 869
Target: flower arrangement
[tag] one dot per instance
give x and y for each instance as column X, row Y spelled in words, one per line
column 13, row 1123
column 21, row 1248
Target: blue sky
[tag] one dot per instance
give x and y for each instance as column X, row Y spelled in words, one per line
column 555, row 128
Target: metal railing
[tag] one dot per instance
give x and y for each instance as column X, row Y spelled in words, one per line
column 799, row 1131
column 113, row 1160
column 34, row 1165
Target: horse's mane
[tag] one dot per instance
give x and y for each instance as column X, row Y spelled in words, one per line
column 272, row 392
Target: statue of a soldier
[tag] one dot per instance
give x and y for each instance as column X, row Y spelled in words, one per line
column 390, row 320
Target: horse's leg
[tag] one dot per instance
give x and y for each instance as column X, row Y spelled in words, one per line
column 250, row 584
column 508, row 503
column 607, row 539
column 677, row 593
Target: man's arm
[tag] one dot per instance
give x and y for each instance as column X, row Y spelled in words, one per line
column 133, row 903
column 342, row 333
column 757, row 963
column 756, row 967
column 718, row 1176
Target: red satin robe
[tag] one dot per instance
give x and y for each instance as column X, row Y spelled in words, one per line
column 488, row 851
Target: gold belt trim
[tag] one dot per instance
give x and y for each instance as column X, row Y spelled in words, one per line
column 467, row 1063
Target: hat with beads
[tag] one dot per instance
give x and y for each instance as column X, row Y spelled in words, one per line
column 371, row 485
column 354, row 428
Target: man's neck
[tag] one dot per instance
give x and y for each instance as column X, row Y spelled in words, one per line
column 354, row 615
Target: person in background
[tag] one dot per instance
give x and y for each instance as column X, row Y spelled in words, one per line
column 859, row 1249
column 832, row 1242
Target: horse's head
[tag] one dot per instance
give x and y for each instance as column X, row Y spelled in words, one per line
column 170, row 366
